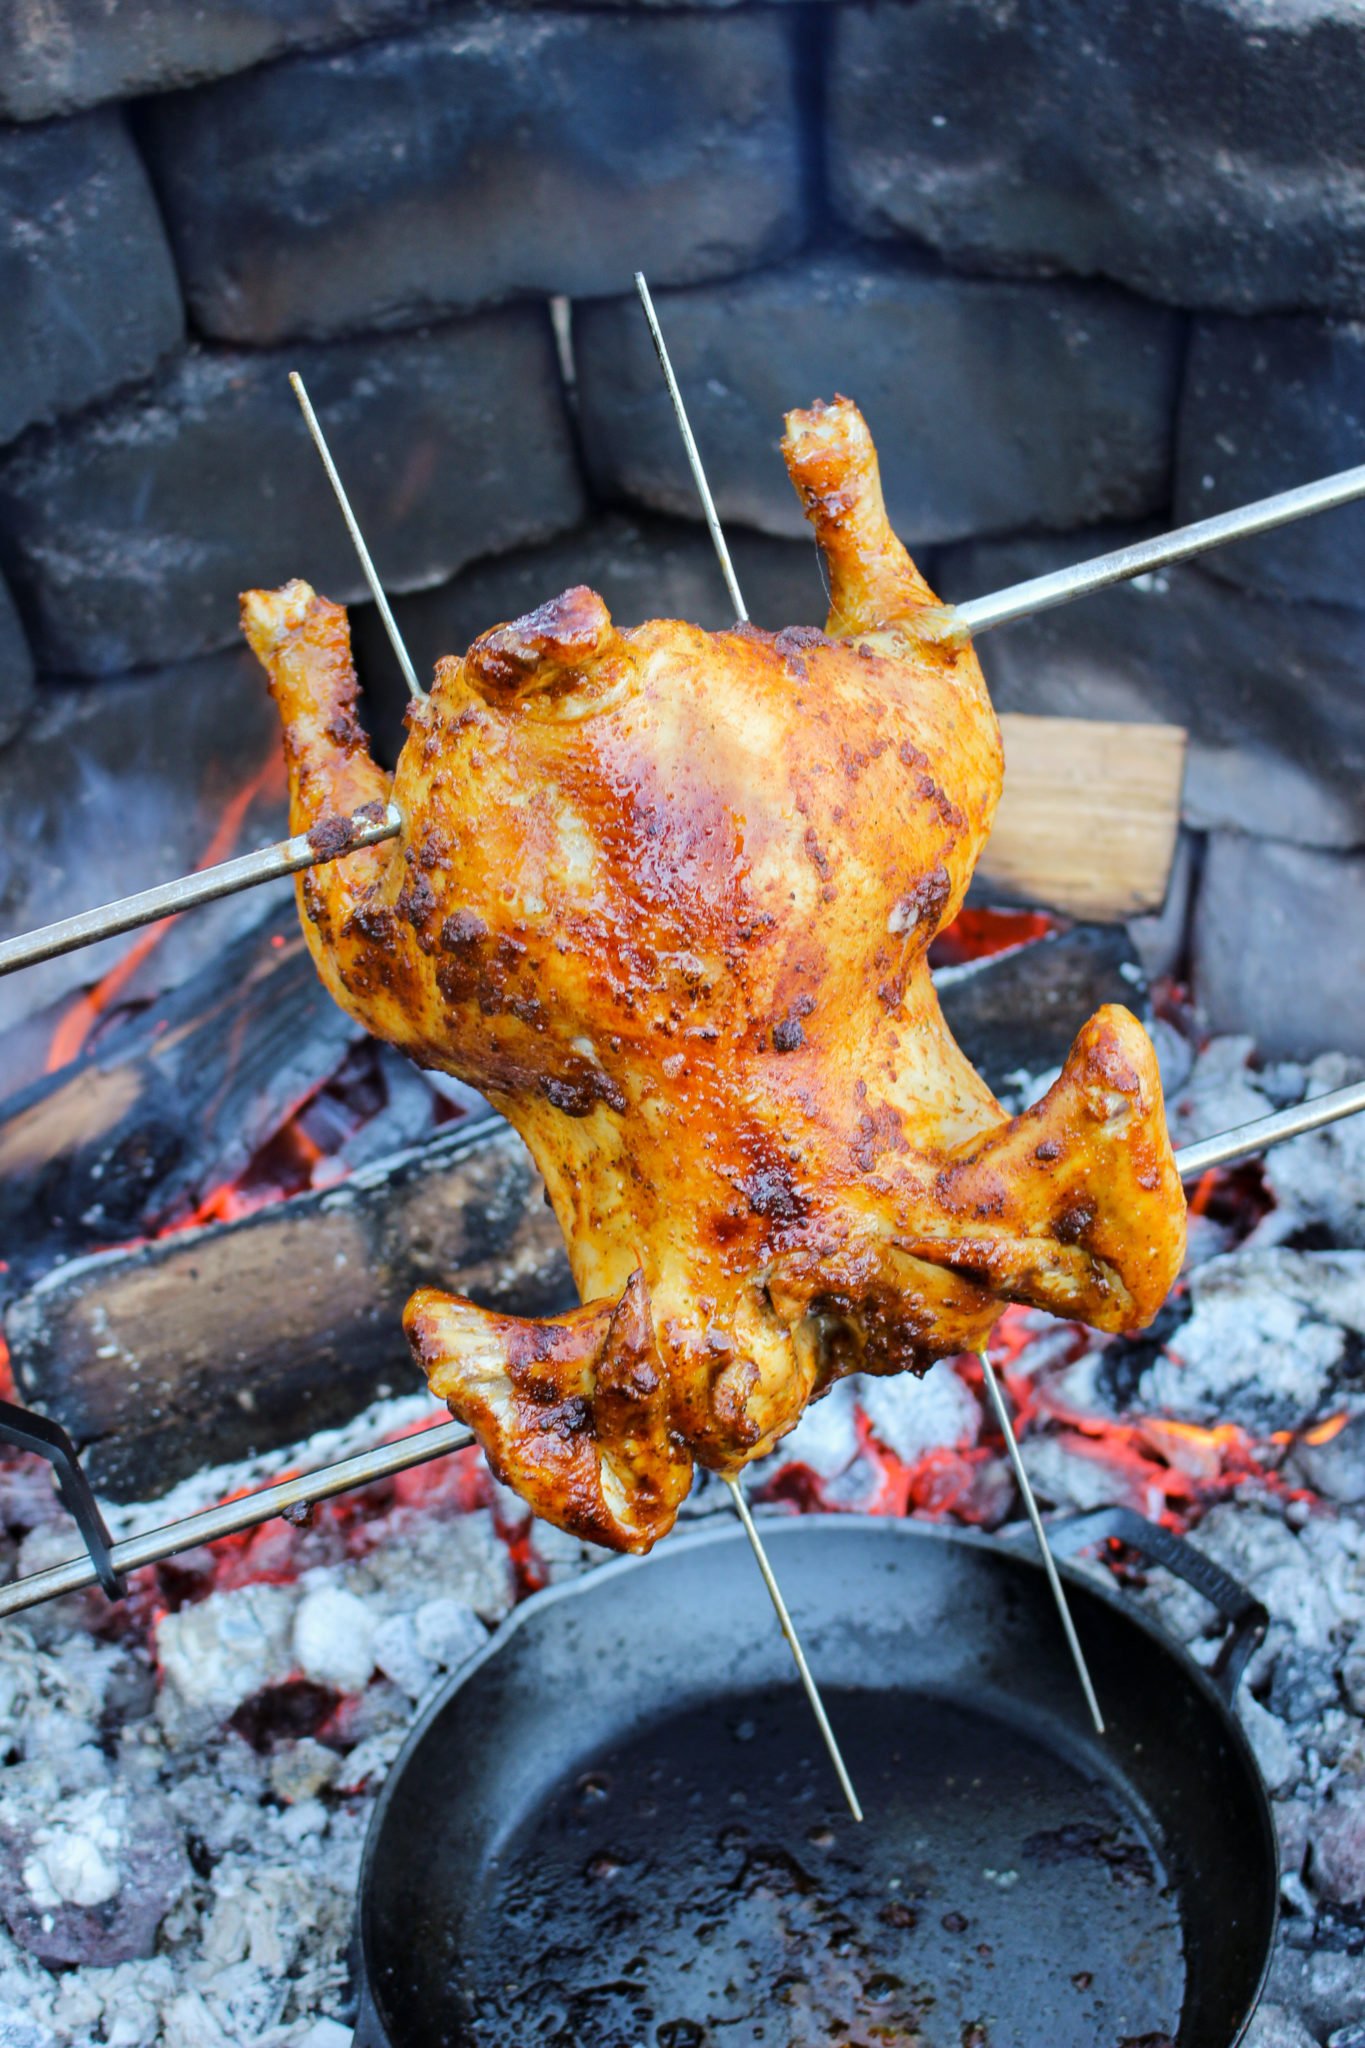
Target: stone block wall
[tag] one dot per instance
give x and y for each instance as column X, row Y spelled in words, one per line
column 1090, row 270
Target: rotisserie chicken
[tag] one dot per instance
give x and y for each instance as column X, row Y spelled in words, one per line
column 665, row 897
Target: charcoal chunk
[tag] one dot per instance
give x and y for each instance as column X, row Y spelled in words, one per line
column 1017, row 1012
column 74, row 53
column 131, row 531
column 1334, row 1468
column 1276, row 948
column 16, row 669
column 1203, row 151
column 89, row 1878
column 486, row 156
column 86, row 280
column 1270, row 691
column 994, row 405
column 645, row 568
column 1268, row 404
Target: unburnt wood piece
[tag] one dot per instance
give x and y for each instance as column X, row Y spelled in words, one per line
column 169, row 1104
column 1089, row 816
column 214, row 1343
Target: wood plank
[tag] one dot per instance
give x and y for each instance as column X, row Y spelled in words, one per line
column 1088, row 820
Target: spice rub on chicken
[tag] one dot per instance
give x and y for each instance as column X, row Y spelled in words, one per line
column 665, row 897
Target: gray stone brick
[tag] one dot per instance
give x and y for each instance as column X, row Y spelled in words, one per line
column 130, row 532
column 1268, row 404
column 1271, row 692
column 87, row 286
column 485, row 156
column 16, row 669
column 994, row 405
column 58, row 55
column 62, row 54
column 1276, row 949
column 1204, row 151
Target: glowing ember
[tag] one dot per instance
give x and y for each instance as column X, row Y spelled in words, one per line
column 978, row 934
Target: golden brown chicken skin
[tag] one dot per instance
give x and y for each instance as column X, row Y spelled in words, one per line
column 665, row 897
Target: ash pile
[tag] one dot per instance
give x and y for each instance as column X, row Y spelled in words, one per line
column 190, row 1774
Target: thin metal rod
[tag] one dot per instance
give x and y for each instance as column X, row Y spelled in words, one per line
column 1062, row 585
column 1248, row 1139
column 232, row 1516
column 371, row 573
column 285, row 857
column 708, row 503
column 1054, row 1580
column 794, row 1645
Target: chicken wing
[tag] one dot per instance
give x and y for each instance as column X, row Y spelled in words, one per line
column 665, row 896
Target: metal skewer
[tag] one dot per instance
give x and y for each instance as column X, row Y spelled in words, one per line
column 736, row 1492
column 736, row 1495
column 708, row 503
column 285, row 857
column 249, row 1509
column 352, row 526
column 794, row 1644
column 1248, row 1139
column 1054, row 1578
column 230, row 1517
column 1041, row 593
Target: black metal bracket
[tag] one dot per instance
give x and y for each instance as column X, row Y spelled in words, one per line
column 30, row 1432
column 1247, row 1619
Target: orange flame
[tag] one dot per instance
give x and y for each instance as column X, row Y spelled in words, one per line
column 75, row 1027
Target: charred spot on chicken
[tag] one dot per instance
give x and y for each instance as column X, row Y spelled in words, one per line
column 665, row 896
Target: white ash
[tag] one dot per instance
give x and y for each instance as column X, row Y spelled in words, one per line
column 912, row 1416
column 1268, row 1341
column 161, row 1880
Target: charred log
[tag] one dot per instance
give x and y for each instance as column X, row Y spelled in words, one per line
column 221, row 1342
column 168, row 1103
column 1021, row 1009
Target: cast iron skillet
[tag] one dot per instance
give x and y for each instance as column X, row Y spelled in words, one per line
column 616, row 1827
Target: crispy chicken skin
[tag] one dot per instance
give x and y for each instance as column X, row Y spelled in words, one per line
column 665, row 897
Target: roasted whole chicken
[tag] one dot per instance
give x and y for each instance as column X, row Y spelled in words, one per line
column 665, row 897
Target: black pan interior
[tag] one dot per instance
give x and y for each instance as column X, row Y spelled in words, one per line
column 621, row 1829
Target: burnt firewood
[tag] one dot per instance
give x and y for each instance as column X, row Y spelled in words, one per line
column 216, row 1343
column 168, row 1103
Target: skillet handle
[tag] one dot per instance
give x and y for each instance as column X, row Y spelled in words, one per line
column 1246, row 1617
column 369, row 2029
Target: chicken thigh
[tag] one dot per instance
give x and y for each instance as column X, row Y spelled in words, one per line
column 665, row 896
